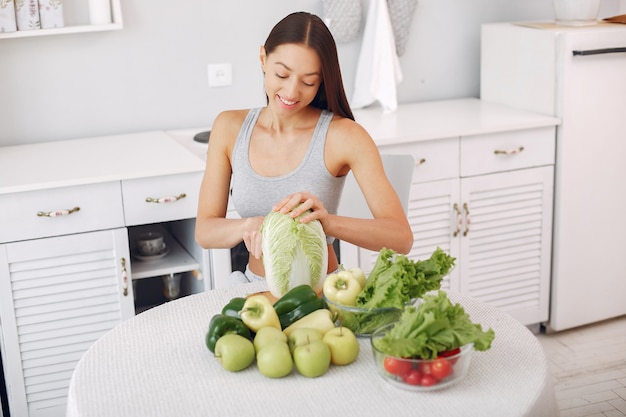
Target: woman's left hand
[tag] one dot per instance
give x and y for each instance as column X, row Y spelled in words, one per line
column 298, row 203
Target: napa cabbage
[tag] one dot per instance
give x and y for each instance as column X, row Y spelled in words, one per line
column 294, row 253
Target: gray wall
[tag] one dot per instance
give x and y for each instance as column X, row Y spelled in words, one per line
column 152, row 75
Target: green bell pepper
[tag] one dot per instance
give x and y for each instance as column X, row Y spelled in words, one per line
column 287, row 319
column 220, row 325
column 297, row 303
column 233, row 307
column 293, row 298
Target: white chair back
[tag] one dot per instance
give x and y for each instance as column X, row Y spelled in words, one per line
column 398, row 168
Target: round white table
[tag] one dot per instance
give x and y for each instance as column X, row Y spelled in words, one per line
column 157, row 364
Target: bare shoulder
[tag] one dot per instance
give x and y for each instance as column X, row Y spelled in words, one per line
column 229, row 120
column 346, row 134
column 225, row 128
column 349, row 146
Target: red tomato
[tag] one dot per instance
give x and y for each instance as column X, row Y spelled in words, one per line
column 424, row 368
column 449, row 353
column 440, row 368
column 413, row 377
column 428, row 380
column 396, row 366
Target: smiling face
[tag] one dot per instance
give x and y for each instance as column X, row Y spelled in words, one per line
column 293, row 74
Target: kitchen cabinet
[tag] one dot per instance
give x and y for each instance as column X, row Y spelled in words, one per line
column 576, row 74
column 74, row 24
column 483, row 193
column 58, row 296
column 66, row 251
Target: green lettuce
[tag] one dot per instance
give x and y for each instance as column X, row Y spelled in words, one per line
column 396, row 280
column 294, row 253
column 435, row 325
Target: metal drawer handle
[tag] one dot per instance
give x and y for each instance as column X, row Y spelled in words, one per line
column 420, row 162
column 124, row 277
column 57, row 213
column 459, row 220
column 509, row 152
column 468, row 219
column 599, row 51
column 163, row 200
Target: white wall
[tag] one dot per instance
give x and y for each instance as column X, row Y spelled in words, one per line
column 152, row 75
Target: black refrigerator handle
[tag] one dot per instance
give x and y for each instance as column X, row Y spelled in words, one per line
column 599, row 51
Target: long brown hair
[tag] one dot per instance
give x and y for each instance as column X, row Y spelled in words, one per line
column 309, row 30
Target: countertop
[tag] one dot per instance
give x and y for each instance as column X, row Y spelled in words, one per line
column 145, row 154
column 416, row 122
column 446, row 119
column 93, row 160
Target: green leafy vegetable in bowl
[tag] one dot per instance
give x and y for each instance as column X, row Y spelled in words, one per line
column 396, row 280
column 360, row 320
column 434, row 326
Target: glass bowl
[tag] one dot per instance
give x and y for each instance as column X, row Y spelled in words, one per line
column 362, row 321
column 421, row 374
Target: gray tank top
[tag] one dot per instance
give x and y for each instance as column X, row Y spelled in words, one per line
column 254, row 195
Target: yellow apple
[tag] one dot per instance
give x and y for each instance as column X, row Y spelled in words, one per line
column 343, row 344
column 234, row 352
column 303, row 336
column 312, row 359
column 274, row 360
column 266, row 335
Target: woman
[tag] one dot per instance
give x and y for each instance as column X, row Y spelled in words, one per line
column 293, row 155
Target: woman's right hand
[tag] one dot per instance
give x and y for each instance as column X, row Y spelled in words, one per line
column 252, row 236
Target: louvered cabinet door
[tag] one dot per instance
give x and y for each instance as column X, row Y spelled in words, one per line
column 58, row 296
column 506, row 241
column 433, row 219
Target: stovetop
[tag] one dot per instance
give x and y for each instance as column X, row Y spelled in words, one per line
column 186, row 138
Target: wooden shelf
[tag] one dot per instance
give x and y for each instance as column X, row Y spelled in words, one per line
column 116, row 17
column 178, row 260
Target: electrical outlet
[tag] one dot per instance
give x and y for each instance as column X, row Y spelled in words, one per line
column 220, row 75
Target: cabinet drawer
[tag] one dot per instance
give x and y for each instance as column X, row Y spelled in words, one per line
column 99, row 207
column 161, row 199
column 434, row 160
column 507, row 151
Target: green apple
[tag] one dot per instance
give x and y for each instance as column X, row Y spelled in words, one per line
column 343, row 344
column 302, row 336
column 234, row 352
column 266, row 335
column 274, row 360
column 312, row 359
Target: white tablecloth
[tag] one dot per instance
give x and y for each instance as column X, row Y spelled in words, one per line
column 157, row 364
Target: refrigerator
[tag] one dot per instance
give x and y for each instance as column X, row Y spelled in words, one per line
column 577, row 74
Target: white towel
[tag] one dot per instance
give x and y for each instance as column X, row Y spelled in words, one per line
column 378, row 70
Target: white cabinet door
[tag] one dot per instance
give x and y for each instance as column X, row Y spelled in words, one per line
column 506, row 241
column 58, row 295
column 434, row 216
column 433, row 219
column 498, row 227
